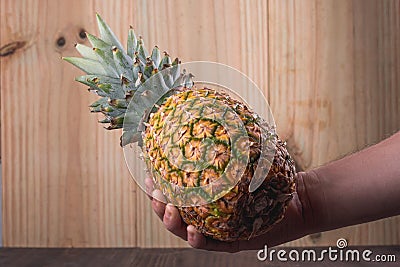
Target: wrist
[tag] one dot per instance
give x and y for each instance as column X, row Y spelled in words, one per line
column 310, row 195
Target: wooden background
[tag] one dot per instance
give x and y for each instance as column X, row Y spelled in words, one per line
column 330, row 69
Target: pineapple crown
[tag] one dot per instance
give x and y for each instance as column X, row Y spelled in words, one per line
column 129, row 82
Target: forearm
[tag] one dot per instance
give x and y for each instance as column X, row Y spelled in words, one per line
column 359, row 188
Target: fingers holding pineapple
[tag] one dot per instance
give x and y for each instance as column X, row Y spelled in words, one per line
column 291, row 227
column 157, row 205
column 168, row 213
column 173, row 222
column 155, row 197
column 199, row 241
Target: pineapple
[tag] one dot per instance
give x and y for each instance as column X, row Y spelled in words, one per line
column 186, row 149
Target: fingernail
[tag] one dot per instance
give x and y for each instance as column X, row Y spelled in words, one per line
column 158, row 195
column 190, row 232
column 190, row 235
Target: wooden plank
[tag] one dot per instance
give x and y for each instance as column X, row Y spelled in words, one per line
column 329, row 68
column 334, row 87
column 63, row 174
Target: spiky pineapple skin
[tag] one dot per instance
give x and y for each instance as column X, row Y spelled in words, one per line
column 239, row 214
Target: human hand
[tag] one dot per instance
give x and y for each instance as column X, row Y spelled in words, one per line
column 295, row 224
column 342, row 193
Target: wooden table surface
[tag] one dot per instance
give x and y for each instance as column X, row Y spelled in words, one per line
column 139, row 257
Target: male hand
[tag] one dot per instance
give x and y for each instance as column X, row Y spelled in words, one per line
column 293, row 226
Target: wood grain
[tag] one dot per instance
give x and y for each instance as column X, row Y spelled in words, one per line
column 63, row 175
column 330, row 70
column 334, row 87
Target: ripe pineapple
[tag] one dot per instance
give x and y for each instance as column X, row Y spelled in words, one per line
column 168, row 117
